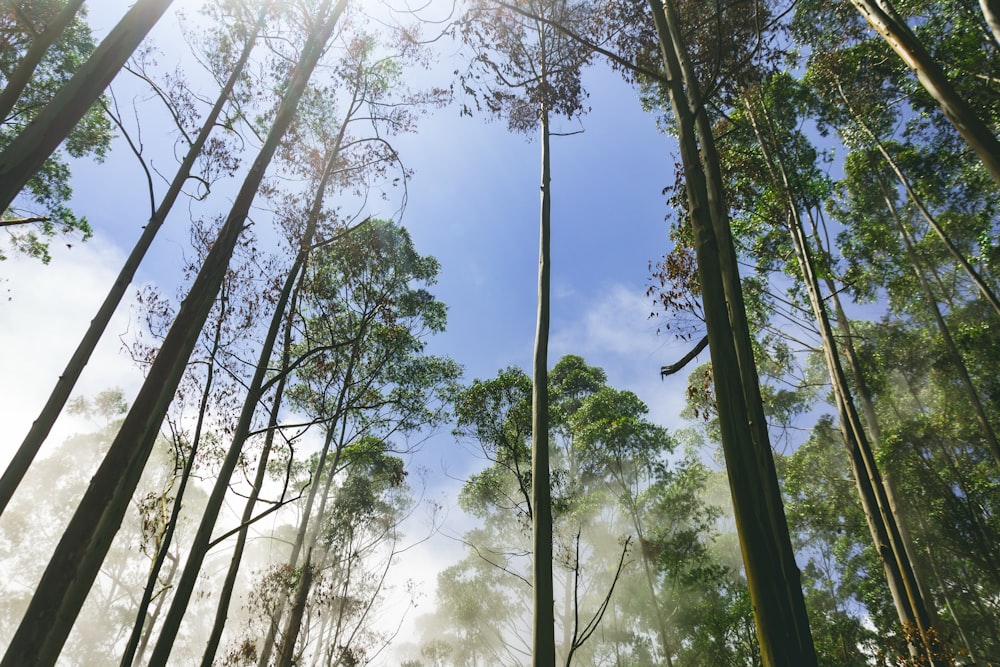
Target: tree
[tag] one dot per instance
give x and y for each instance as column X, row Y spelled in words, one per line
column 772, row 575
column 537, row 74
column 77, row 559
column 21, row 159
column 64, row 385
column 882, row 16
column 45, row 43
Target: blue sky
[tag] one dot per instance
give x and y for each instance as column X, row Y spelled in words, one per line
column 473, row 204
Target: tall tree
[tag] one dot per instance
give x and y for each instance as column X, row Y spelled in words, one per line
column 773, row 577
column 44, row 43
column 883, row 17
column 67, row 380
column 24, row 156
column 537, row 74
column 77, row 559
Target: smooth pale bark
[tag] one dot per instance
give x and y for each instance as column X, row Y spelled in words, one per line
column 991, row 12
column 19, row 78
column 543, row 629
column 26, row 154
column 883, row 18
column 772, row 575
column 907, row 597
column 78, row 557
column 42, row 425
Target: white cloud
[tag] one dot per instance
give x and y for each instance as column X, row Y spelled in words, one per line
column 615, row 333
column 46, row 311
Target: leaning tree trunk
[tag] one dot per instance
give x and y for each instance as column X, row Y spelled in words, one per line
column 305, row 244
column 77, row 560
column 26, row 453
column 286, row 654
column 910, row 604
column 21, row 76
column 137, row 639
column 24, row 156
column 893, row 29
column 989, row 434
column 984, row 289
column 772, row 575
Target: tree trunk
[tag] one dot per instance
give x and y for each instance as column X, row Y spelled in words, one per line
column 305, row 245
column 908, row 600
column 991, row 12
column 21, row 75
column 772, row 575
column 86, row 540
column 152, row 580
column 543, row 629
column 24, row 156
column 64, row 385
column 226, row 592
column 893, row 29
column 956, row 357
column 286, row 653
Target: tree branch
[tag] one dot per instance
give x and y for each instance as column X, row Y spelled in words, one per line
column 685, row 360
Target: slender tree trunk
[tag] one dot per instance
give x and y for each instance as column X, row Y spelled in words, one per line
column 772, row 575
column 338, row 417
column 86, row 540
column 661, row 622
column 305, row 245
column 543, row 629
column 202, row 540
column 893, row 29
column 978, row 281
column 21, row 75
column 64, row 385
column 286, row 654
column 24, row 156
column 226, row 592
column 909, row 602
column 152, row 580
column 956, row 357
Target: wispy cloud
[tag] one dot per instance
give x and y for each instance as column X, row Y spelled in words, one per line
column 614, row 332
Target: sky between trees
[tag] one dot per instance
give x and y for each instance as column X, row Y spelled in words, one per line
column 472, row 203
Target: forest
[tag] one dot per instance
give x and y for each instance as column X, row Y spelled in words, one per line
column 305, row 464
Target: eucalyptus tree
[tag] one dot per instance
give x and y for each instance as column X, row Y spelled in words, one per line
column 535, row 73
column 40, row 34
column 772, row 575
column 25, row 155
column 365, row 374
column 334, row 155
column 348, row 566
column 791, row 188
column 44, row 44
column 617, row 499
column 894, row 29
column 64, row 473
column 77, row 559
column 68, row 378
